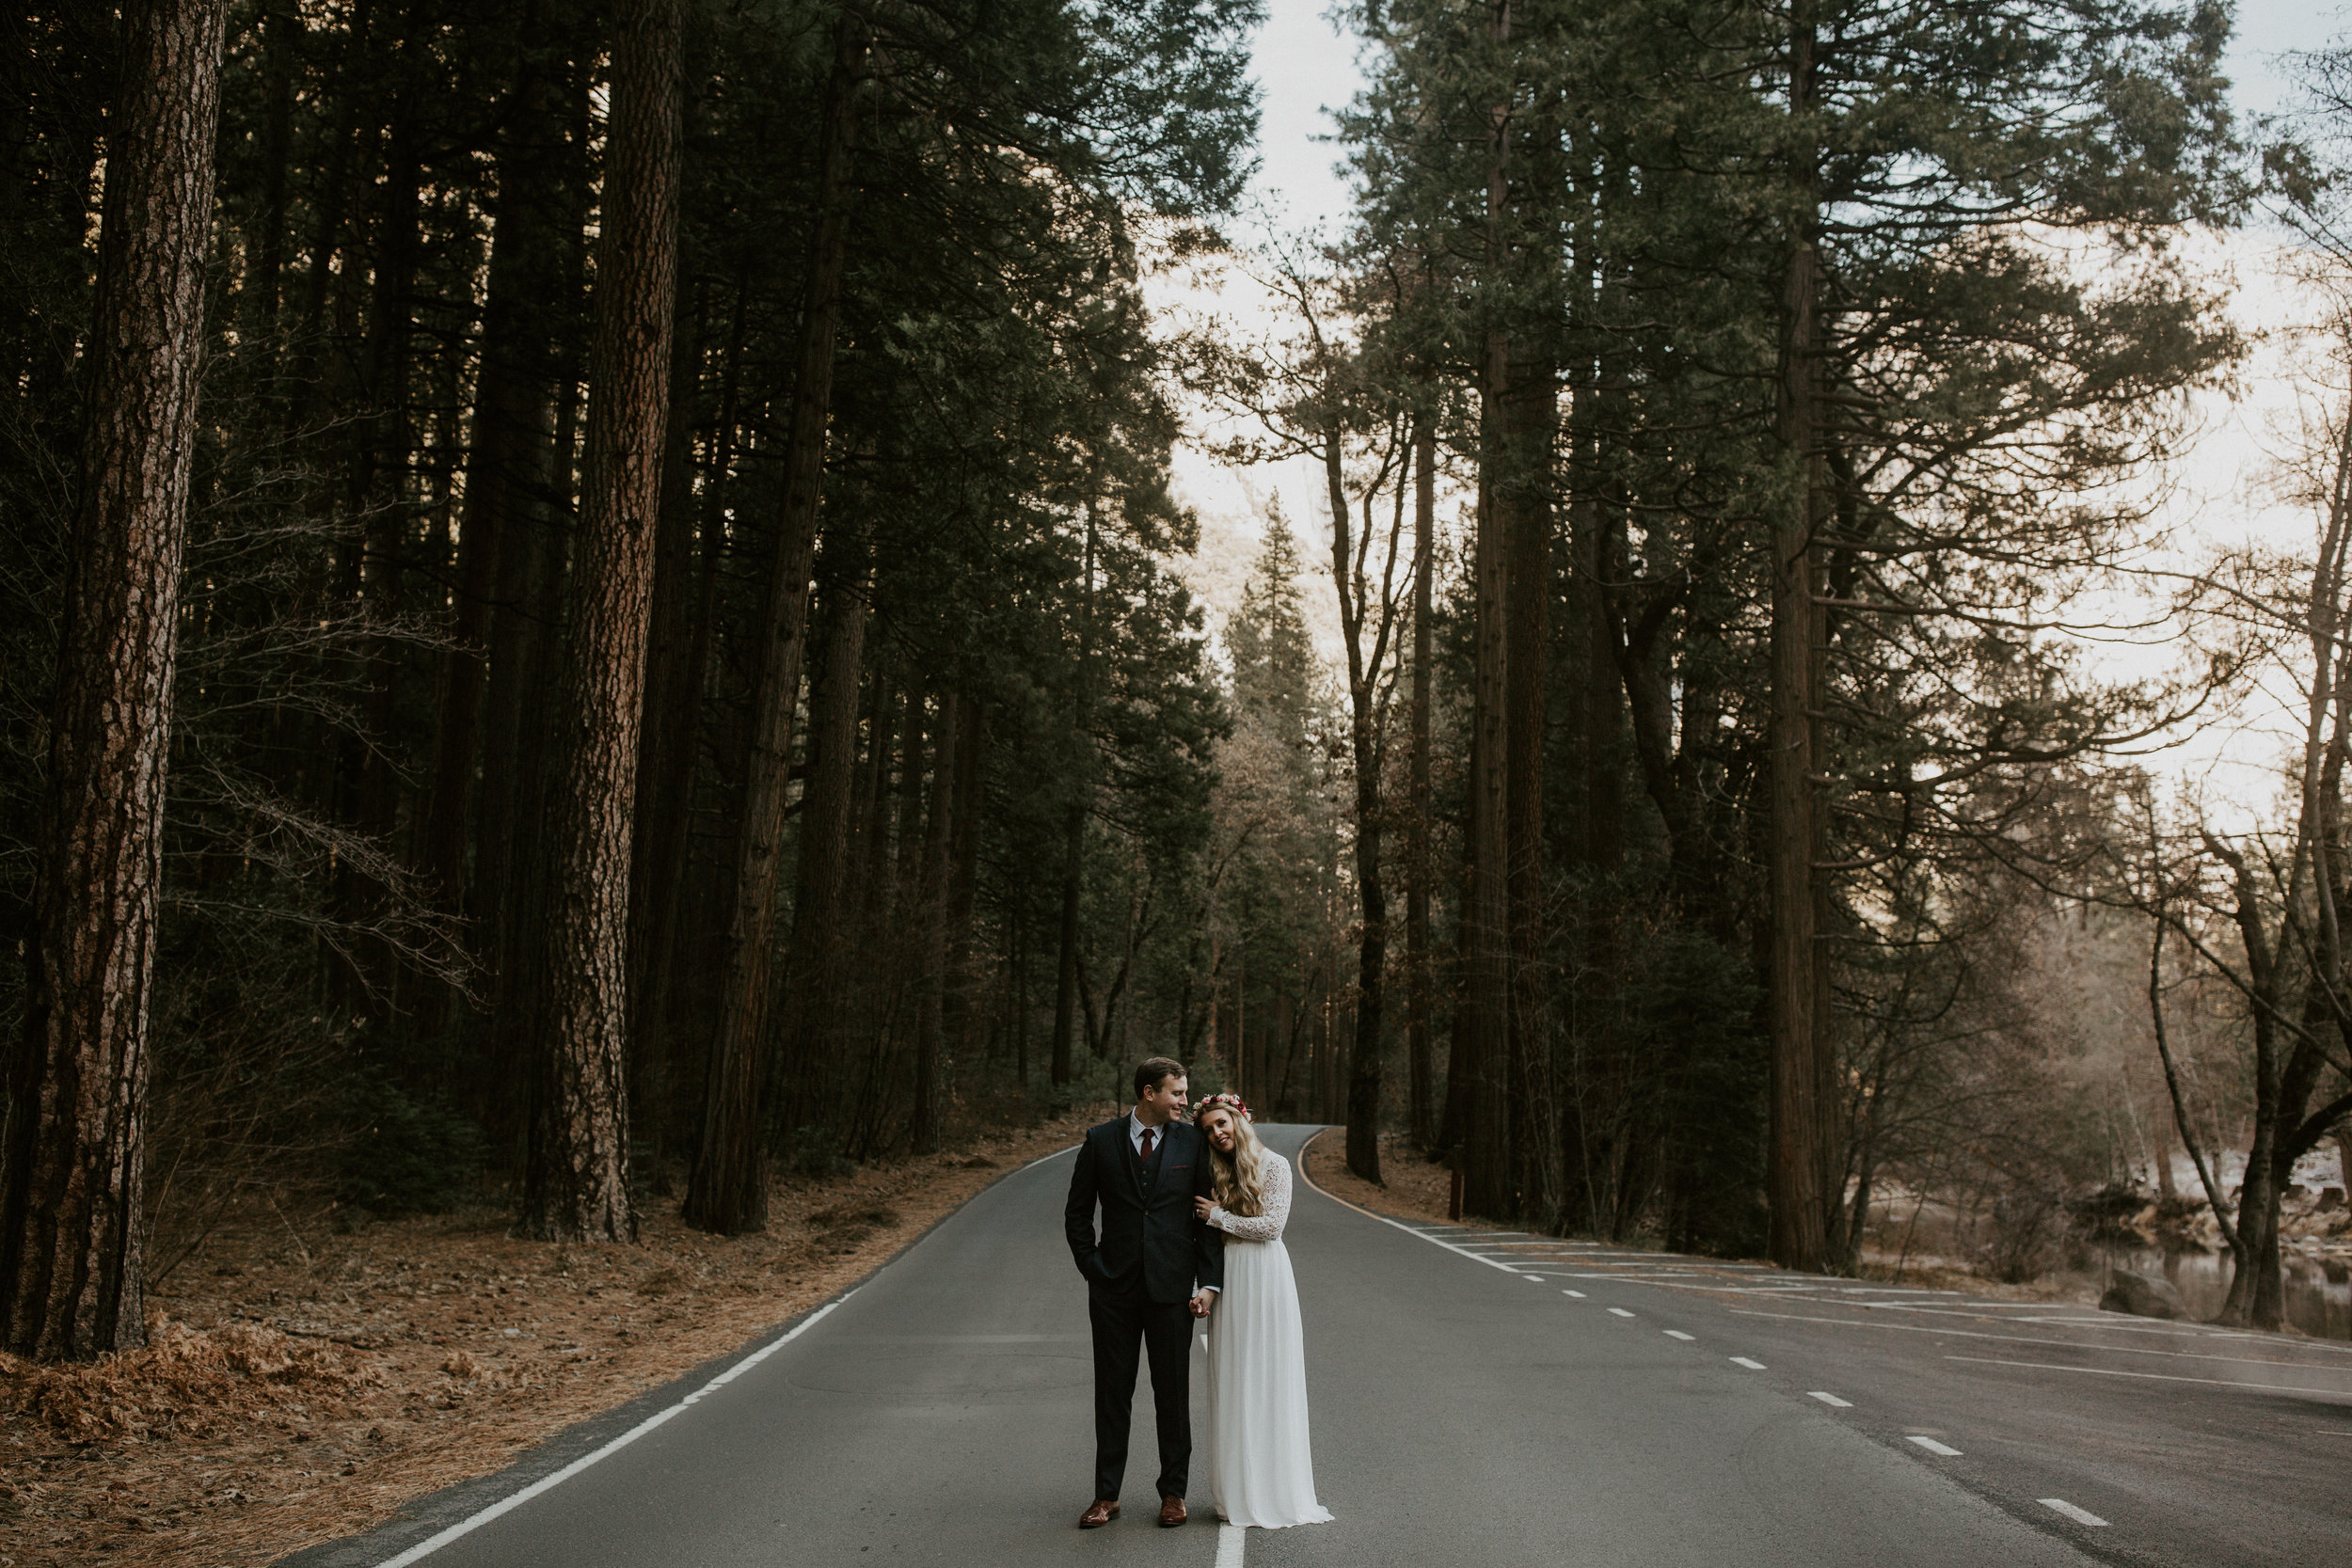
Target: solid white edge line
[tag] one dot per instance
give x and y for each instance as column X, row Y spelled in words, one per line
column 2080, row 1515
column 467, row 1526
column 1229, row 1539
column 1043, row 1158
column 1384, row 1219
column 1831, row 1400
column 1933, row 1447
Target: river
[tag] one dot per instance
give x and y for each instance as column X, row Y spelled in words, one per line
column 2319, row 1294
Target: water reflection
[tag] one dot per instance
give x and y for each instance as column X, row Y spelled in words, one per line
column 2319, row 1294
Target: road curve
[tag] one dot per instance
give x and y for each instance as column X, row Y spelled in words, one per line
column 1468, row 1408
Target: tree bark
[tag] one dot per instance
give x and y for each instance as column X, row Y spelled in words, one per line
column 727, row 1191
column 1799, row 1201
column 1422, row 1110
column 664, row 759
column 1529, row 411
column 1486, row 918
column 819, row 930
column 1066, row 963
column 71, row 1276
column 930, row 925
column 576, row 1176
column 506, row 468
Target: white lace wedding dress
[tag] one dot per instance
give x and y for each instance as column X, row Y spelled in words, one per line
column 1261, row 1470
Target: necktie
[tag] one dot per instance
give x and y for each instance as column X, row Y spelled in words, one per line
column 1146, row 1146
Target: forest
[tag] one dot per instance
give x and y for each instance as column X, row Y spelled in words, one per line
column 597, row 607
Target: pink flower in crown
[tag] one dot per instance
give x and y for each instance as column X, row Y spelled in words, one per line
column 1222, row 1102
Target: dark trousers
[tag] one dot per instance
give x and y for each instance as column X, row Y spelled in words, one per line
column 1124, row 1319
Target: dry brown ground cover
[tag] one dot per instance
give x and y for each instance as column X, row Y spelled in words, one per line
column 1416, row 1188
column 303, row 1384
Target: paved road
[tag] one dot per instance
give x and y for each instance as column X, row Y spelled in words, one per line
column 1483, row 1398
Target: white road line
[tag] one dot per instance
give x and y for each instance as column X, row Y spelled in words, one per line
column 1621, row 1312
column 1229, row 1546
column 2031, row 1339
column 2080, row 1515
column 1933, row 1447
column 1678, row 1334
column 1578, row 1294
column 1831, row 1400
column 1418, row 1235
column 1055, row 1155
column 2156, row 1377
column 1749, row 1362
column 466, row 1527
column 1533, row 1279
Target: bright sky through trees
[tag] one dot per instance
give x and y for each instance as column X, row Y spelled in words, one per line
column 1304, row 65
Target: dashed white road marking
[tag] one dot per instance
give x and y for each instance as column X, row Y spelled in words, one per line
column 1578, row 1294
column 2080, row 1515
column 1831, row 1400
column 1749, row 1362
column 1621, row 1312
column 1678, row 1334
column 1229, row 1546
column 1933, row 1447
column 515, row 1499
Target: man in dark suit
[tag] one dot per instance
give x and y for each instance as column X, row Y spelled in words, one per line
column 1153, row 1268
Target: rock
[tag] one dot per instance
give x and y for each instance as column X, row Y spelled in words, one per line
column 2142, row 1297
column 2330, row 1197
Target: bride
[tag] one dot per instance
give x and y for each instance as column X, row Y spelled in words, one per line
column 1261, row 1469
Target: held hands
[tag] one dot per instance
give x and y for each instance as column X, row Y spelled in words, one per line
column 1201, row 1302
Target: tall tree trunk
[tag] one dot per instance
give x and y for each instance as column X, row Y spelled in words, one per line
column 1794, row 1180
column 664, row 767
column 964, row 877
column 727, row 1192
column 1484, row 1023
column 1527, row 413
column 281, row 29
column 1422, row 1090
column 72, row 1276
column 930, row 925
column 526, row 645
column 819, row 930
column 507, row 467
column 1066, row 939
column 672, row 944
column 1364, row 1065
column 576, row 1176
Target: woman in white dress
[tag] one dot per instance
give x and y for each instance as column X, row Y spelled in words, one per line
column 1261, row 1470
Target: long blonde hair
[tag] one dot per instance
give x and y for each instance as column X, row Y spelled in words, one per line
column 1238, row 1178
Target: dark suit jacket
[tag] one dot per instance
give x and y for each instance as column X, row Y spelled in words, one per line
column 1150, row 1233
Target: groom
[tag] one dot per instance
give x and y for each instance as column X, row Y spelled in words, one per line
column 1154, row 1268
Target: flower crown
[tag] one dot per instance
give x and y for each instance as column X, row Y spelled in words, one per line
column 1222, row 1102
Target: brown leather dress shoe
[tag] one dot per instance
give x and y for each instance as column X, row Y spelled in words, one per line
column 1102, row 1511
column 1171, row 1512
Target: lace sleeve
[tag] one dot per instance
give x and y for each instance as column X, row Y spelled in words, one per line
column 1268, row 1225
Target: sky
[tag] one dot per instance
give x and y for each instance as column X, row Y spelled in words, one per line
column 2219, row 485
column 1303, row 66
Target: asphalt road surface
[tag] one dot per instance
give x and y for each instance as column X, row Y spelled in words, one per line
column 1480, row 1398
